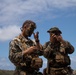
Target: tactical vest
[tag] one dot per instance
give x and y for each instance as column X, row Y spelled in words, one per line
column 57, row 56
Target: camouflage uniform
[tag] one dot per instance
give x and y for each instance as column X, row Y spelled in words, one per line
column 22, row 63
column 58, row 59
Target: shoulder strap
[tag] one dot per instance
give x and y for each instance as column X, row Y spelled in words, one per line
column 47, row 43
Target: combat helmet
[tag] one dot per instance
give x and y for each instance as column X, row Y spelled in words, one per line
column 54, row 29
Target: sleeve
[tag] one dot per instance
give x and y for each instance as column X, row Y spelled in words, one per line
column 15, row 53
column 69, row 48
column 40, row 48
column 45, row 45
column 46, row 50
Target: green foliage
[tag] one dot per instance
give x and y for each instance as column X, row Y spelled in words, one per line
column 10, row 72
column 6, row 72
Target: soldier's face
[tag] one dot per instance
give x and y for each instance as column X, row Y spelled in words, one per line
column 55, row 36
column 28, row 31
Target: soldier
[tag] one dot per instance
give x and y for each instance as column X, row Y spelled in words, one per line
column 56, row 52
column 23, row 51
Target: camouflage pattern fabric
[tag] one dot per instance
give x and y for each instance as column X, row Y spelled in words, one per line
column 57, row 56
column 60, row 71
column 17, row 45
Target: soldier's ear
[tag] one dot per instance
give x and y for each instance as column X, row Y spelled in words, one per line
column 23, row 28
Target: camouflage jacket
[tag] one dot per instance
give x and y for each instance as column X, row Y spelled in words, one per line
column 57, row 54
column 16, row 46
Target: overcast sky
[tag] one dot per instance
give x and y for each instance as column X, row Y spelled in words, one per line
column 45, row 13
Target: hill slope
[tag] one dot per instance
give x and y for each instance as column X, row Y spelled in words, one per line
column 6, row 72
column 10, row 72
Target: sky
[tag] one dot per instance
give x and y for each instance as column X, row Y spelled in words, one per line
column 46, row 14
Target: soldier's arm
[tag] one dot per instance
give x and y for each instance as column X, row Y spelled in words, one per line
column 46, row 50
column 37, row 43
column 16, row 53
column 29, row 50
column 69, row 48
